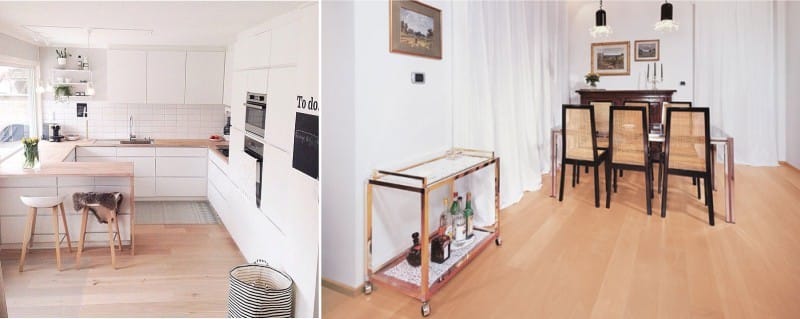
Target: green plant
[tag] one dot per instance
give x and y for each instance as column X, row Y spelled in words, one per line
column 63, row 90
column 592, row 78
column 62, row 54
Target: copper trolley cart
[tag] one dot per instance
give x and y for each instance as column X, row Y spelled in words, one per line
column 447, row 172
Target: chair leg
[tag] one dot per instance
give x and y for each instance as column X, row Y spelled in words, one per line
column 608, row 184
column 66, row 228
column 660, row 175
column 648, row 184
column 620, row 172
column 26, row 237
column 57, row 237
column 694, row 181
column 615, row 180
column 111, row 242
column 84, row 217
column 578, row 174
column 586, row 169
column 574, row 172
column 596, row 187
column 33, row 229
column 710, row 199
column 664, row 191
column 698, row 188
column 561, row 184
column 119, row 234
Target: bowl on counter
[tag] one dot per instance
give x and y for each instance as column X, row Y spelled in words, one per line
column 73, row 137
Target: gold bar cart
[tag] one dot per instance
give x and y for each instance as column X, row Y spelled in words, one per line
column 423, row 178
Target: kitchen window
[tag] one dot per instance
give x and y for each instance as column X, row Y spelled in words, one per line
column 17, row 108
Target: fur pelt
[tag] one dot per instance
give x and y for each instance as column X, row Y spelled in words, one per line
column 111, row 201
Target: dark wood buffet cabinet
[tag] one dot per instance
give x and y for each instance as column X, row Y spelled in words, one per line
column 655, row 98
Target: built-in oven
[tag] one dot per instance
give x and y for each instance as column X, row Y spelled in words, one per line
column 255, row 148
column 256, row 113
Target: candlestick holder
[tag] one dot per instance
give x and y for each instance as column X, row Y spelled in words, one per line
column 654, row 81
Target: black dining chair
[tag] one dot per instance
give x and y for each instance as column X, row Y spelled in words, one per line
column 687, row 151
column 579, row 144
column 629, row 147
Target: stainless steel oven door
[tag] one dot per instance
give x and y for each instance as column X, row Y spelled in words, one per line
column 255, row 116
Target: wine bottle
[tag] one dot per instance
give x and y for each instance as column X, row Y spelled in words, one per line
column 460, row 223
column 469, row 215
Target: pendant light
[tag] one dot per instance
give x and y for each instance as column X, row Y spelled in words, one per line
column 600, row 28
column 89, row 85
column 666, row 24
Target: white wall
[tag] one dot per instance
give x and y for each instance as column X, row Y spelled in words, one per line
column 15, row 48
column 396, row 122
column 792, row 84
column 633, row 21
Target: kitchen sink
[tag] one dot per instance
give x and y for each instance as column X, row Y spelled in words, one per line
column 137, row 141
column 125, row 142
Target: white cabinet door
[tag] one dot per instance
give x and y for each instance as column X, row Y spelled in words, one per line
column 181, row 151
column 240, row 52
column 181, row 186
column 205, row 73
column 96, row 151
column 142, row 166
column 260, row 49
column 281, row 107
column 285, row 45
column 166, row 77
column 127, row 76
column 136, row 151
column 238, row 158
column 145, row 186
column 237, row 100
column 257, row 81
column 274, row 191
column 181, row 166
column 308, row 56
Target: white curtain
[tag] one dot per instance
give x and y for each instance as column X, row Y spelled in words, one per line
column 509, row 74
column 736, row 75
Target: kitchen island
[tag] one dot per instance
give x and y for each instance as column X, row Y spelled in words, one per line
column 62, row 172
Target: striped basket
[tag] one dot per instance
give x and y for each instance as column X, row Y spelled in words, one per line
column 260, row 291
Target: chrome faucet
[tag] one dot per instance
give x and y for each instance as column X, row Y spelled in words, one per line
column 131, row 136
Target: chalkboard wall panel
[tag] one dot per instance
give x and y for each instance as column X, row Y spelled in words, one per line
column 306, row 144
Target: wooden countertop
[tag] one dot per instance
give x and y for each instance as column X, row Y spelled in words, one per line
column 52, row 157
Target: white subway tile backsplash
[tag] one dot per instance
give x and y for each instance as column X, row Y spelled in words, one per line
column 110, row 120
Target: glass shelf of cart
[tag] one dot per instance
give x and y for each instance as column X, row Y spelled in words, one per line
column 438, row 169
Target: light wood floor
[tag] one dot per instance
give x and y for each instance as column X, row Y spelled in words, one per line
column 571, row 260
column 178, row 271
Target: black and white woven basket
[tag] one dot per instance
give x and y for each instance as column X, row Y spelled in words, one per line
column 260, row 291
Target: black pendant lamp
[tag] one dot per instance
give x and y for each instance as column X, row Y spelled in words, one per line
column 666, row 24
column 600, row 28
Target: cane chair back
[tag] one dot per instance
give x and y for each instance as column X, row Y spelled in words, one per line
column 579, row 143
column 667, row 105
column 602, row 109
column 644, row 104
column 687, row 139
column 628, row 135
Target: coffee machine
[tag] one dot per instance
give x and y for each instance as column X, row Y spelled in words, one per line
column 52, row 132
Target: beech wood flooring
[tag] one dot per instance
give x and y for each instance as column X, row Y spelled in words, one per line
column 178, row 271
column 571, row 260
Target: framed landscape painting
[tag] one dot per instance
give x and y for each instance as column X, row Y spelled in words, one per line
column 647, row 50
column 611, row 58
column 415, row 28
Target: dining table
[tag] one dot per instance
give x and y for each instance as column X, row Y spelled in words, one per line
column 718, row 137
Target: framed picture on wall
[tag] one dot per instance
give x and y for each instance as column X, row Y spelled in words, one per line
column 611, row 58
column 647, row 50
column 415, row 28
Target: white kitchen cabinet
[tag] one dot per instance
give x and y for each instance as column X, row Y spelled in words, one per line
column 96, row 159
column 274, row 191
column 127, row 76
column 181, row 186
column 239, row 92
column 142, row 166
column 181, row 166
column 136, row 151
column 281, row 108
column 261, row 49
column 240, row 54
column 308, row 56
column 257, row 81
column 145, row 186
column 181, row 152
column 285, row 45
column 83, row 151
column 237, row 158
column 205, row 74
column 166, row 77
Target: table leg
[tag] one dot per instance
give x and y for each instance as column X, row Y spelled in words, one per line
column 133, row 217
column 729, row 217
column 553, row 155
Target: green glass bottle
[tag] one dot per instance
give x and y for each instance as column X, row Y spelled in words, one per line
column 468, row 215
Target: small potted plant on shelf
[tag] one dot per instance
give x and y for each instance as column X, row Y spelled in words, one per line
column 62, row 91
column 62, row 57
column 592, row 79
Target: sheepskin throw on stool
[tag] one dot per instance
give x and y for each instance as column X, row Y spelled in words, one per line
column 111, row 201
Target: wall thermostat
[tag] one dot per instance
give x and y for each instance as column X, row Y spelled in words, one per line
column 418, row 78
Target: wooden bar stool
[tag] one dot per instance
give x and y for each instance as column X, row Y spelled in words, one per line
column 113, row 231
column 54, row 203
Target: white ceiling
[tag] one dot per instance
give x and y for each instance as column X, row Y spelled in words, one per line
column 187, row 23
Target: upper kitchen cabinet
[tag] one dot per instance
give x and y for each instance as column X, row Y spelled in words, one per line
column 257, row 81
column 127, row 76
column 252, row 51
column 166, row 77
column 285, row 45
column 205, row 73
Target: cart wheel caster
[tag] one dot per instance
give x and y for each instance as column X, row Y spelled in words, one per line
column 498, row 241
column 367, row 288
column 426, row 309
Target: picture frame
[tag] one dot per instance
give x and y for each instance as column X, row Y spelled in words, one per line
column 611, row 58
column 415, row 29
column 647, row 50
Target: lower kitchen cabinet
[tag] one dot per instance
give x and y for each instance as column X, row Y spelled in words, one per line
column 181, row 166
column 181, row 186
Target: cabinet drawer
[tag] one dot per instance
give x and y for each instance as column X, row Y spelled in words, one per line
column 96, row 151
column 136, row 151
column 96, row 159
column 181, row 166
column 145, row 187
column 181, row 186
column 182, row 151
column 142, row 166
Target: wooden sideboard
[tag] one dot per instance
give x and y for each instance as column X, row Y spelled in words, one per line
column 656, row 98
